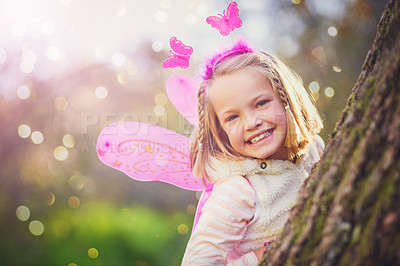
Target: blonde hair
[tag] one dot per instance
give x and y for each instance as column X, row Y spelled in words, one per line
column 302, row 118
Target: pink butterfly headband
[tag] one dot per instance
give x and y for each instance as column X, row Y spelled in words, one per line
column 224, row 23
column 241, row 47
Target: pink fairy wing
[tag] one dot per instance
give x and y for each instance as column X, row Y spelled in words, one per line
column 180, row 48
column 176, row 61
column 226, row 23
column 148, row 153
column 182, row 92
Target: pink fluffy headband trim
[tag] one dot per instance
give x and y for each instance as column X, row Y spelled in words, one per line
column 240, row 47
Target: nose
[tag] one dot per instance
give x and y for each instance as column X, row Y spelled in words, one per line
column 252, row 121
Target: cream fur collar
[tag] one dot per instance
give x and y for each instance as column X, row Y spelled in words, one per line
column 220, row 169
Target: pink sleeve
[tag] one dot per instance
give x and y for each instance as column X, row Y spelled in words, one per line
column 320, row 144
column 223, row 225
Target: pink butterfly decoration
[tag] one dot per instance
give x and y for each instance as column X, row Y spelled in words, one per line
column 226, row 22
column 150, row 153
column 180, row 54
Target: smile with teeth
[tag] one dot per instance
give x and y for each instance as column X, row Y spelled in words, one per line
column 261, row 136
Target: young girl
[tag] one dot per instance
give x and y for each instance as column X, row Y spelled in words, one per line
column 257, row 141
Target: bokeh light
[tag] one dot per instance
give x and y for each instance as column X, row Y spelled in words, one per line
column 69, row 141
column 159, row 110
column 101, row 92
column 161, row 98
column 53, row 53
column 157, row 46
column 23, row 213
column 23, row 92
column 332, row 31
column 190, row 209
column 24, row 131
column 50, row 198
column 183, row 229
column 118, row 59
column 161, row 16
column 329, row 92
column 93, row 253
column 121, row 11
column 28, row 60
column 121, row 77
column 74, row 202
column 60, row 103
column 314, row 86
column 165, row 4
column 36, row 228
column 37, row 137
column 76, row 182
column 100, row 51
column 60, row 153
column 26, row 67
column 337, row 69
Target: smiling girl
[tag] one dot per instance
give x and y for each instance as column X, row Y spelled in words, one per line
column 257, row 141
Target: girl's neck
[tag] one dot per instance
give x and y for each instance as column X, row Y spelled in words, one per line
column 282, row 154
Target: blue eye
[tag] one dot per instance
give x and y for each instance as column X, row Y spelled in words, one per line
column 231, row 118
column 261, row 103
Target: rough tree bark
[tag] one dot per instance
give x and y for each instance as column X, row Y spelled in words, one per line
column 349, row 211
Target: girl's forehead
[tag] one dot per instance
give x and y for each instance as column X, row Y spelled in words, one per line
column 245, row 80
column 238, row 89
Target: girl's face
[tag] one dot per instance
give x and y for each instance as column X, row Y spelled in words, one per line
column 250, row 113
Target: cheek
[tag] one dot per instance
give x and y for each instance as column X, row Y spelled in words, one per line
column 279, row 116
column 232, row 130
column 280, row 119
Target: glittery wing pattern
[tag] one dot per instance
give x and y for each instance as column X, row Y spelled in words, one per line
column 180, row 54
column 226, row 22
column 148, row 153
column 232, row 14
column 180, row 48
column 176, row 61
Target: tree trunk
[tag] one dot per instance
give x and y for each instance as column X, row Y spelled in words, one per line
column 348, row 213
